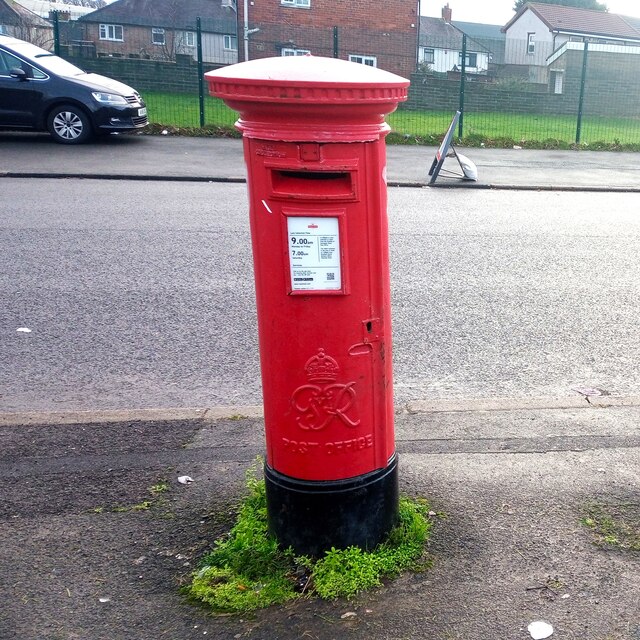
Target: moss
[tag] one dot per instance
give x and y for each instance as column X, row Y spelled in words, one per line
column 247, row 570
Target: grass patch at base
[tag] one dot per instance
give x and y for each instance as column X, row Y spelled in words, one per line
column 247, row 570
column 614, row 525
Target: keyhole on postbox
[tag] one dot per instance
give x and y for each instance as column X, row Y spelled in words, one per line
column 369, row 327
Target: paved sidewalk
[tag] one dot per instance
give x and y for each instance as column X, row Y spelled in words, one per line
column 182, row 158
column 77, row 561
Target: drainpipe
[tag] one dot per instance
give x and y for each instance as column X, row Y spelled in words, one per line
column 245, row 30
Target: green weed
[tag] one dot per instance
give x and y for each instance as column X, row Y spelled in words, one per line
column 156, row 501
column 614, row 525
column 159, row 488
column 246, row 570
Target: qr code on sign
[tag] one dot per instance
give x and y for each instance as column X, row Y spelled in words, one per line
column 331, row 276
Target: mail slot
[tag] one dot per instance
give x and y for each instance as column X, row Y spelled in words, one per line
column 314, row 132
column 317, row 185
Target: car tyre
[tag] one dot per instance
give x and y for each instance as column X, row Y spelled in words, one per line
column 69, row 124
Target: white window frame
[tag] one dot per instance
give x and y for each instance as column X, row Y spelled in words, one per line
column 369, row 61
column 468, row 64
column 109, row 32
column 189, row 38
column 230, row 42
column 558, row 81
column 432, row 55
column 290, row 51
column 158, row 31
column 300, row 4
column 531, row 44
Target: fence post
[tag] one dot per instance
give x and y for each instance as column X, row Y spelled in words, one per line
column 335, row 42
column 462, row 79
column 56, row 33
column 583, row 81
column 200, row 70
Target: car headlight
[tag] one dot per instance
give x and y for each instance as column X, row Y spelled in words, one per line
column 109, row 98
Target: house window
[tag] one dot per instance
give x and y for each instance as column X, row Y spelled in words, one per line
column 230, row 43
column 471, row 60
column 294, row 52
column 303, row 4
column 531, row 43
column 370, row 61
column 4, row 30
column 189, row 38
column 428, row 55
column 557, row 81
column 111, row 32
column 157, row 36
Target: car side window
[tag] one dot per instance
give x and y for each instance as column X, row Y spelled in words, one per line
column 37, row 74
column 9, row 61
column 4, row 64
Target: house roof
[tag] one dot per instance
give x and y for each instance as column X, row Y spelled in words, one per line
column 75, row 8
column 479, row 30
column 582, row 21
column 13, row 13
column 439, row 34
column 634, row 22
column 172, row 14
column 490, row 36
column 436, row 32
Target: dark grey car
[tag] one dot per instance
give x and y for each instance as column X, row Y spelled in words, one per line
column 42, row 92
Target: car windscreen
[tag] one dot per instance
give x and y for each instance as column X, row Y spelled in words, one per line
column 57, row 65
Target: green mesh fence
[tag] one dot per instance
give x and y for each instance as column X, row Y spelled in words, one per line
column 587, row 93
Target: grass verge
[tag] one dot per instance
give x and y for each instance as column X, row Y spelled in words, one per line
column 178, row 113
column 246, row 570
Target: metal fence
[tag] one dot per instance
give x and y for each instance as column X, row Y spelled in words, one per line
column 585, row 93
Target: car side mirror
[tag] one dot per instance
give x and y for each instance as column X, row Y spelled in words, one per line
column 21, row 74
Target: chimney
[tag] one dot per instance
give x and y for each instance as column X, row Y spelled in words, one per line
column 446, row 13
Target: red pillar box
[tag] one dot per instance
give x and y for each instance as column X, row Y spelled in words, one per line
column 314, row 145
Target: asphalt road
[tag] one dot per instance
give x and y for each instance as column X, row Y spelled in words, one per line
column 140, row 294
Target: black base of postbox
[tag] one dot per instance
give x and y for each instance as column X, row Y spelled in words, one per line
column 313, row 516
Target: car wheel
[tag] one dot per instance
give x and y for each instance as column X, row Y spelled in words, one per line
column 69, row 125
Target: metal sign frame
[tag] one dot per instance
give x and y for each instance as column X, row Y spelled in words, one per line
column 443, row 150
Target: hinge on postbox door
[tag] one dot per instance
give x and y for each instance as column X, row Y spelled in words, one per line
column 309, row 152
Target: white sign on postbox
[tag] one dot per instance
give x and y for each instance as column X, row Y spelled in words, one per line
column 314, row 253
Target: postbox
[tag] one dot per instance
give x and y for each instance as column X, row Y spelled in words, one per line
column 314, row 132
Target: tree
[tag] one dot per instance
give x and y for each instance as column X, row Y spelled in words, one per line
column 580, row 4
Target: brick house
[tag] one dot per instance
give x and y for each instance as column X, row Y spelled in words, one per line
column 378, row 33
column 162, row 29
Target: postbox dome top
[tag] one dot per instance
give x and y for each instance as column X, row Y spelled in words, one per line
column 306, row 78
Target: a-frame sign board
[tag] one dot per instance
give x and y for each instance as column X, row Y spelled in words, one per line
column 468, row 168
